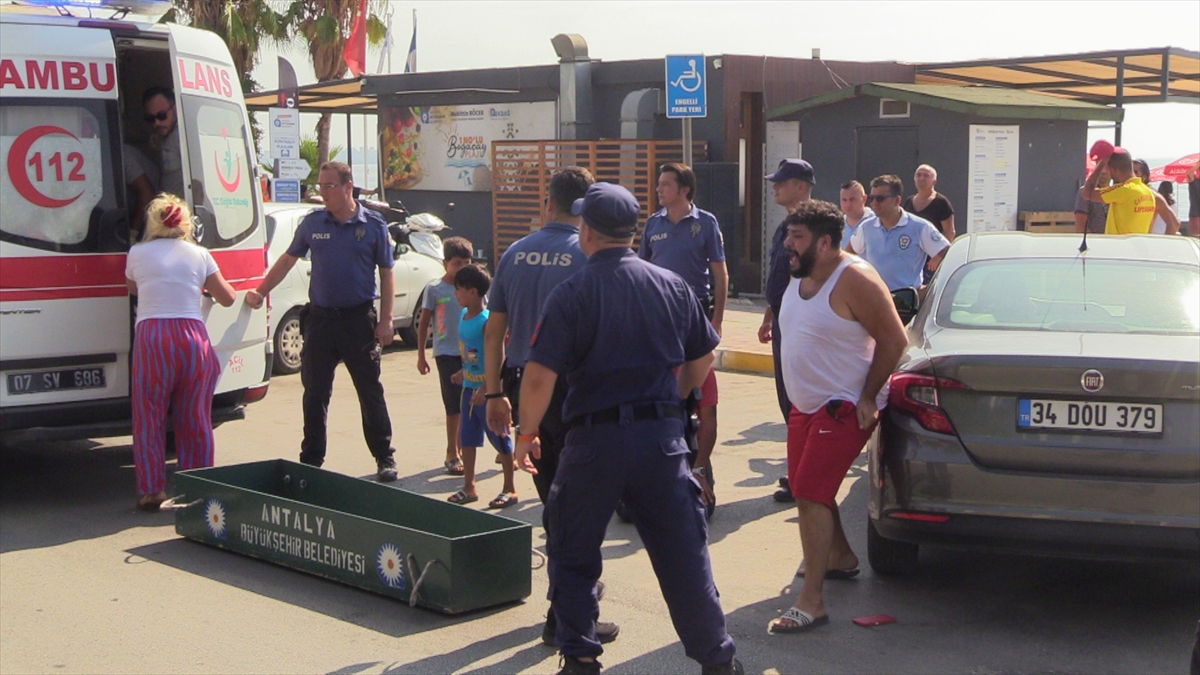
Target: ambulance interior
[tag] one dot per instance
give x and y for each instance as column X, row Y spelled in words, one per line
column 141, row 63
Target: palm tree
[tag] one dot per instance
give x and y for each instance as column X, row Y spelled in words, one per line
column 325, row 25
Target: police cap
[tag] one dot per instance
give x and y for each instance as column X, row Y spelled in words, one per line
column 794, row 168
column 609, row 209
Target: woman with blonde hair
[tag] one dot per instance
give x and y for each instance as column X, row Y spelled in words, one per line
column 174, row 364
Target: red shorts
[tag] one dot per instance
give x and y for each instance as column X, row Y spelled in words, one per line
column 708, row 390
column 820, row 449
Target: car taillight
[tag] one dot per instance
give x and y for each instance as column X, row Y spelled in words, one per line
column 255, row 394
column 917, row 395
column 920, row 517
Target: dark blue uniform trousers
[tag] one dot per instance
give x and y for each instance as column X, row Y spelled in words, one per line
column 646, row 464
column 347, row 336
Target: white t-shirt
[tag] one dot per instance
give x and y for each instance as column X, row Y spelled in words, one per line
column 169, row 273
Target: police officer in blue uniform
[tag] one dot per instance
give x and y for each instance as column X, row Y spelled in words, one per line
column 687, row 240
column 528, row 271
column 617, row 331
column 340, row 324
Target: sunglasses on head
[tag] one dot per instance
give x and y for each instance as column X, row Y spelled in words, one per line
column 161, row 117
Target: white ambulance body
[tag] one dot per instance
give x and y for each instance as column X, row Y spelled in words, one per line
column 70, row 99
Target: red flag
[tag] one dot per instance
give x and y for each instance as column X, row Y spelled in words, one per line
column 356, row 45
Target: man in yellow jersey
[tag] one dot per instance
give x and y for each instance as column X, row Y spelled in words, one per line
column 1131, row 203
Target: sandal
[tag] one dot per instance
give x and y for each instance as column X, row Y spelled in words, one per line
column 454, row 467
column 801, row 621
column 461, row 497
column 503, row 500
column 151, row 503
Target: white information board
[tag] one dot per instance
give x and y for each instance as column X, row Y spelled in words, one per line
column 995, row 152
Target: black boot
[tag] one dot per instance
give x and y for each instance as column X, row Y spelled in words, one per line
column 606, row 631
column 573, row 666
column 732, row 667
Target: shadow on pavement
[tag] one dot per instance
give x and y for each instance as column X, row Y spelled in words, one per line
column 322, row 596
column 767, row 431
column 54, row 493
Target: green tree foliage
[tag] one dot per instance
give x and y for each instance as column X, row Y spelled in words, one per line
column 244, row 25
column 325, row 26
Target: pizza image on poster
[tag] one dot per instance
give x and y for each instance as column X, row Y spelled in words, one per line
column 400, row 140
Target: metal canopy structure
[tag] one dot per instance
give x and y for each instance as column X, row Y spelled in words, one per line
column 1164, row 74
column 968, row 100
column 336, row 96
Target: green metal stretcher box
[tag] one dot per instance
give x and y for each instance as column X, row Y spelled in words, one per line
column 375, row 537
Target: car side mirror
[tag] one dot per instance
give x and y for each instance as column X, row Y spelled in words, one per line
column 400, row 250
column 907, row 302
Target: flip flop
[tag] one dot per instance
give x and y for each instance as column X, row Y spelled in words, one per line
column 461, row 497
column 454, row 467
column 503, row 500
column 149, row 504
column 803, row 622
column 838, row 575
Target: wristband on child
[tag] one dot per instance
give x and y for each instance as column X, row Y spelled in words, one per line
column 526, row 438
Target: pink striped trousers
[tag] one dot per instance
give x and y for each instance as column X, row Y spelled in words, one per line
column 175, row 368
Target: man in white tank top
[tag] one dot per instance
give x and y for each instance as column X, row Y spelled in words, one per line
column 841, row 340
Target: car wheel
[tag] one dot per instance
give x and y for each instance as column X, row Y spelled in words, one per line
column 888, row 556
column 289, row 344
column 408, row 335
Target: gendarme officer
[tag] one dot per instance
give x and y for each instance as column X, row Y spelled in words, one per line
column 340, row 324
column 617, row 330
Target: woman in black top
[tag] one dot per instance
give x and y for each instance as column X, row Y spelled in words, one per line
column 929, row 204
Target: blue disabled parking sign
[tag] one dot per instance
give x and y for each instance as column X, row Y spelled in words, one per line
column 686, row 86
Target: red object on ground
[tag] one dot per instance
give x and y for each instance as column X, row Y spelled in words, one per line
column 1100, row 150
column 874, row 620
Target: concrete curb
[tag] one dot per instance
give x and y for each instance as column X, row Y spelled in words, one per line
column 744, row 362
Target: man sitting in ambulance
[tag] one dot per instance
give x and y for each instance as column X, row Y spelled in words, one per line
column 159, row 104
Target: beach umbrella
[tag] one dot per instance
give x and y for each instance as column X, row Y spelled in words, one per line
column 1176, row 170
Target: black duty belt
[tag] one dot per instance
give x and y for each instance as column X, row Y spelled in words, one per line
column 639, row 412
column 342, row 311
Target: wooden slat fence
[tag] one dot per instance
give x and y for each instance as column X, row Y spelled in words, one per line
column 521, row 176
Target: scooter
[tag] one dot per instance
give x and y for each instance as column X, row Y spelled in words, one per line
column 416, row 232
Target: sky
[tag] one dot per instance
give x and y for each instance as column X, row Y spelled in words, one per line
column 454, row 35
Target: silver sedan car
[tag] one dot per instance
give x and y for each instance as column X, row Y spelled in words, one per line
column 1048, row 403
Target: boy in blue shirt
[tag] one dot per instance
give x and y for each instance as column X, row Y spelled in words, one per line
column 441, row 311
column 471, row 285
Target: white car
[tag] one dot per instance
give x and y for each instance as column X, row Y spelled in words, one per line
column 413, row 272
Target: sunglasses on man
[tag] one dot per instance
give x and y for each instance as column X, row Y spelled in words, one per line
column 878, row 198
column 161, row 117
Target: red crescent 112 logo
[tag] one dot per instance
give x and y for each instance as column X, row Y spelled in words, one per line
column 57, row 167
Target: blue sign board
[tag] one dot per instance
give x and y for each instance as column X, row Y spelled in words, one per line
column 286, row 190
column 687, row 87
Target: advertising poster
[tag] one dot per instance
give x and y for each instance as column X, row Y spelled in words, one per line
column 995, row 152
column 450, row 147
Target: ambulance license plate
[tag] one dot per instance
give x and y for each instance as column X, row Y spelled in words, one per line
column 56, row 380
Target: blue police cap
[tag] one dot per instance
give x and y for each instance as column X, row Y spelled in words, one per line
column 609, row 209
column 794, row 168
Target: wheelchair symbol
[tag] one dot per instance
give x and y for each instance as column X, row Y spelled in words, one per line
column 691, row 76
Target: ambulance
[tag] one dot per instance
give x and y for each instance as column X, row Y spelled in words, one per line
column 72, row 75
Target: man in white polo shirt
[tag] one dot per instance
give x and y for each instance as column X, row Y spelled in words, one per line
column 854, row 209
column 894, row 241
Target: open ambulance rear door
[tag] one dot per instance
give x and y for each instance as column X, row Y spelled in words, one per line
column 220, row 179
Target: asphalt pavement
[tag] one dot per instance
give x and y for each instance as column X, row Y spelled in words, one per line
column 89, row 586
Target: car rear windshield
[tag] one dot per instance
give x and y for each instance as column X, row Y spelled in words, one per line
column 1073, row 295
